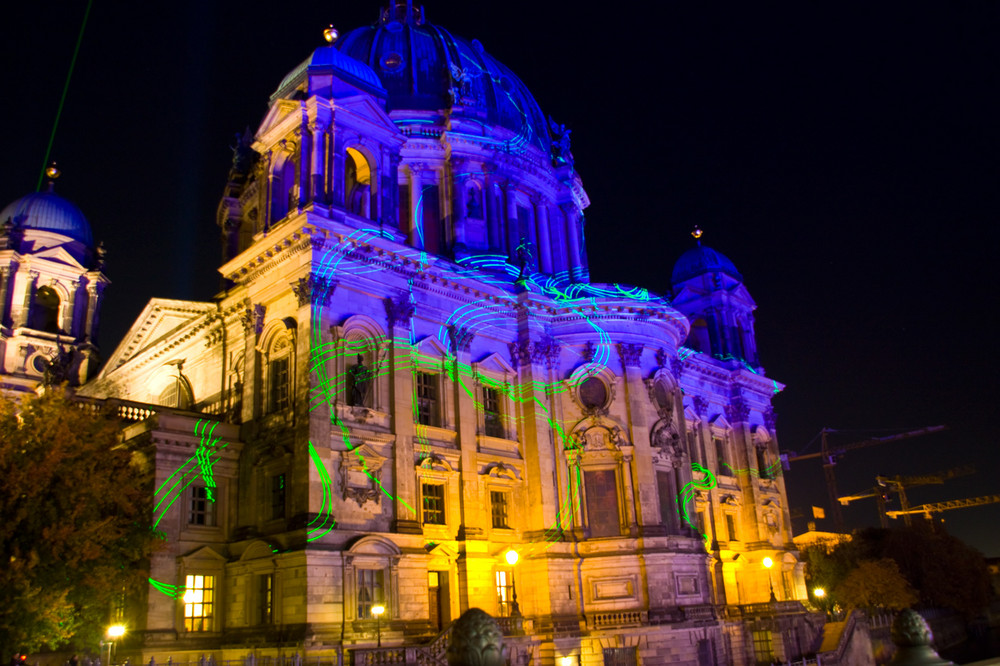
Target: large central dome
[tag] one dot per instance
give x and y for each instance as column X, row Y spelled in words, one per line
column 424, row 68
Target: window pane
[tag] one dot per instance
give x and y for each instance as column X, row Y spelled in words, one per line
column 370, row 592
column 278, row 398
column 427, row 404
column 199, row 602
column 433, row 504
column 498, row 507
column 202, row 507
column 505, row 593
column 266, row 598
column 278, row 496
column 491, row 413
column 602, row 503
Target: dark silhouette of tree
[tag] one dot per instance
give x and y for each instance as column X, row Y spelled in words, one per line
column 75, row 535
column 876, row 584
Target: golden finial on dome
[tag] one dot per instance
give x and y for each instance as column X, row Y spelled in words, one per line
column 697, row 232
column 330, row 34
column 52, row 171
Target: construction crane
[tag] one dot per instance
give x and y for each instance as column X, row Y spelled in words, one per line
column 898, row 484
column 938, row 507
column 829, row 454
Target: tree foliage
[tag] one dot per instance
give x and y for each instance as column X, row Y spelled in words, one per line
column 943, row 571
column 75, row 536
column 876, row 584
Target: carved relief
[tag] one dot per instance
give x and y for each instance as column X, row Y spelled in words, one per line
column 460, row 338
column 359, row 481
column 252, row 318
column 398, row 311
column 630, row 354
column 737, row 411
column 314, row 289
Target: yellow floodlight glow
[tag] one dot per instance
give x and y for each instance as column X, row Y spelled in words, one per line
column 819, row 592
column 511, row 557
column 378, row 610
column 116, row 631
column 768, row 563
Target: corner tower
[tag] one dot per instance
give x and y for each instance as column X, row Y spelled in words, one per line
column 51, row 285
column 710, row 291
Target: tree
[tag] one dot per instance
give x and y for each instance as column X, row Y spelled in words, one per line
column 876, row 584
column 75, row 535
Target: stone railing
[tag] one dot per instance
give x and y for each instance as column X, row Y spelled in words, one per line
column 432, row 654
column 699, row 613
column 735, row 612
column 631, row 618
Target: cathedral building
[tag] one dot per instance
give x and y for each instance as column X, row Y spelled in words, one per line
column 410, row 400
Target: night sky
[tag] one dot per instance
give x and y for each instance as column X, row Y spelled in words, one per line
column 845, row 159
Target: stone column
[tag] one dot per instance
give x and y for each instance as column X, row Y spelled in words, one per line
column 268, row 211
column 317, row 177
column 628, row 492
column 466, row 414
column 575, row 268
column 416, row 191
column 398, row 314
column 5, row 277
column 642, row 474
column 29, row 297
column 544, row 246
column 510, row 206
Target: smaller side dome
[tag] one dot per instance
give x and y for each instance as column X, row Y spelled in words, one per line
column 47, row 211
column 328, row 59
column 700, row 260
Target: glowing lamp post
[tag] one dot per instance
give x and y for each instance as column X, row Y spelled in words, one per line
column 820, row 594
column 114, row 632
column 768, row 563
column 377, row 611
column 512, row 557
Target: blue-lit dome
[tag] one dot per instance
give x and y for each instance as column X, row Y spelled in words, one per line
column 47, row 211
column 425, row 68
column 700, row 260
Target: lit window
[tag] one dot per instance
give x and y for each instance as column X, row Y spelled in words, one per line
column 427, row 401
column 199, row 602
column 498, row 507
column 491, row 413
column 202, row 507
column 267, row 599
column 277, row 496
column 433, row 504
column 505, row 592
column 623, row 656
column 763, row 647
column 278, row 388
column 371, row 591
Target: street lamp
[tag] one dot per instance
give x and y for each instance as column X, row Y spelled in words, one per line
column 114, row 632
column 512, row 557
column 768, row 563
column 377, row 611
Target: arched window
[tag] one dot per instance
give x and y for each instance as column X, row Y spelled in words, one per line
column 176, row 394
column 698, row 338
column 45, row 310
column 279, row 374
column 358, row 184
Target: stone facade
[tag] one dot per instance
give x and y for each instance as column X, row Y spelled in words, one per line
column 410, row 375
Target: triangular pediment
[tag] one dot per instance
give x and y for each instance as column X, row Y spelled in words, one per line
column 366, row 109
column 59, row 254
column 720, row 422
column 432, row 347
column 160, row 319
column 494, row 364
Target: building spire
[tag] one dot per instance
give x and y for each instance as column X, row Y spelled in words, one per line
column 697, row 234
